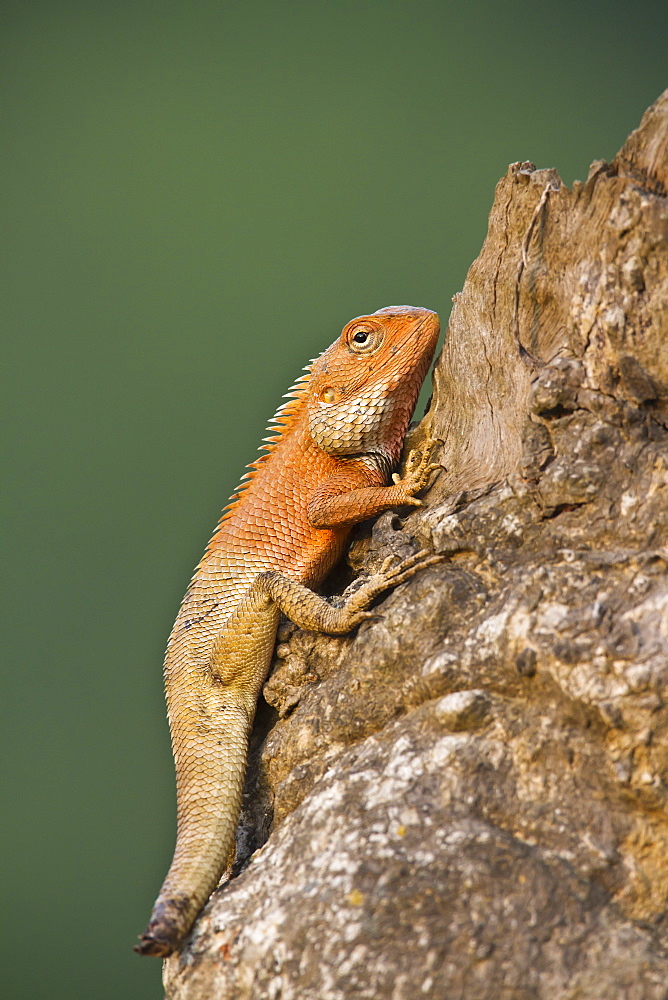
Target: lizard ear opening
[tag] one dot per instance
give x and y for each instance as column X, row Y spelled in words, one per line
column 329, row 395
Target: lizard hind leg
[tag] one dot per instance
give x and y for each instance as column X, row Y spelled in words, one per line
column 310, row 611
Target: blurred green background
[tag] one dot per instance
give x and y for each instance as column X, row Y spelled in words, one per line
column 197, row 197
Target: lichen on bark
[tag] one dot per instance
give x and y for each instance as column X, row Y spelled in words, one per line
column 468, row 796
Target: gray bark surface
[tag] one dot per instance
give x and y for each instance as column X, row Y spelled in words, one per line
column 469, row 794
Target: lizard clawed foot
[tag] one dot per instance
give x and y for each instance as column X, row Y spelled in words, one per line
column 391, row 574
column 419, row 468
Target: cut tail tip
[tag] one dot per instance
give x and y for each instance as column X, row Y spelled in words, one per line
column 166, row 928
column 149, row 945
column 158, row 939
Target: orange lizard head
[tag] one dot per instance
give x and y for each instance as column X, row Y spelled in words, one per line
column 362, row 391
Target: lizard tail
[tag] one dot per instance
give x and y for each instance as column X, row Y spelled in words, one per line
column 210, row 750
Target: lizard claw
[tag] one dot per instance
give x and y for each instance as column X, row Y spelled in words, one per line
column 407, row 568
column 419, row 468
column 387, row 562
column 391, row 574
column 365, row 616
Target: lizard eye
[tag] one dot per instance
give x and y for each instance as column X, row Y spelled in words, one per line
column 364, row 341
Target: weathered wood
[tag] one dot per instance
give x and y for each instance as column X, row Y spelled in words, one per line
column 592, row 286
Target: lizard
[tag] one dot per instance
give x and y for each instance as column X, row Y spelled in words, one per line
column 326, row 465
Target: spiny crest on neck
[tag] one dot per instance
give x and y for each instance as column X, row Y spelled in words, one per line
column 280, row 424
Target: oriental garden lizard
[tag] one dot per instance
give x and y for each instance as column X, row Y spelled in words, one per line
column 326, row 466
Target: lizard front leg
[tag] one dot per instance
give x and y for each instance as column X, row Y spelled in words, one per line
column 357, row 493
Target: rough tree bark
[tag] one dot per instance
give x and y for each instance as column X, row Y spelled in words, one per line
column 469, row 795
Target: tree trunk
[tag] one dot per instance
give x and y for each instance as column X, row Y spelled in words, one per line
column 469, row 795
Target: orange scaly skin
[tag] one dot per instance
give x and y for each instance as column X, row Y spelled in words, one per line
column 326, row 467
